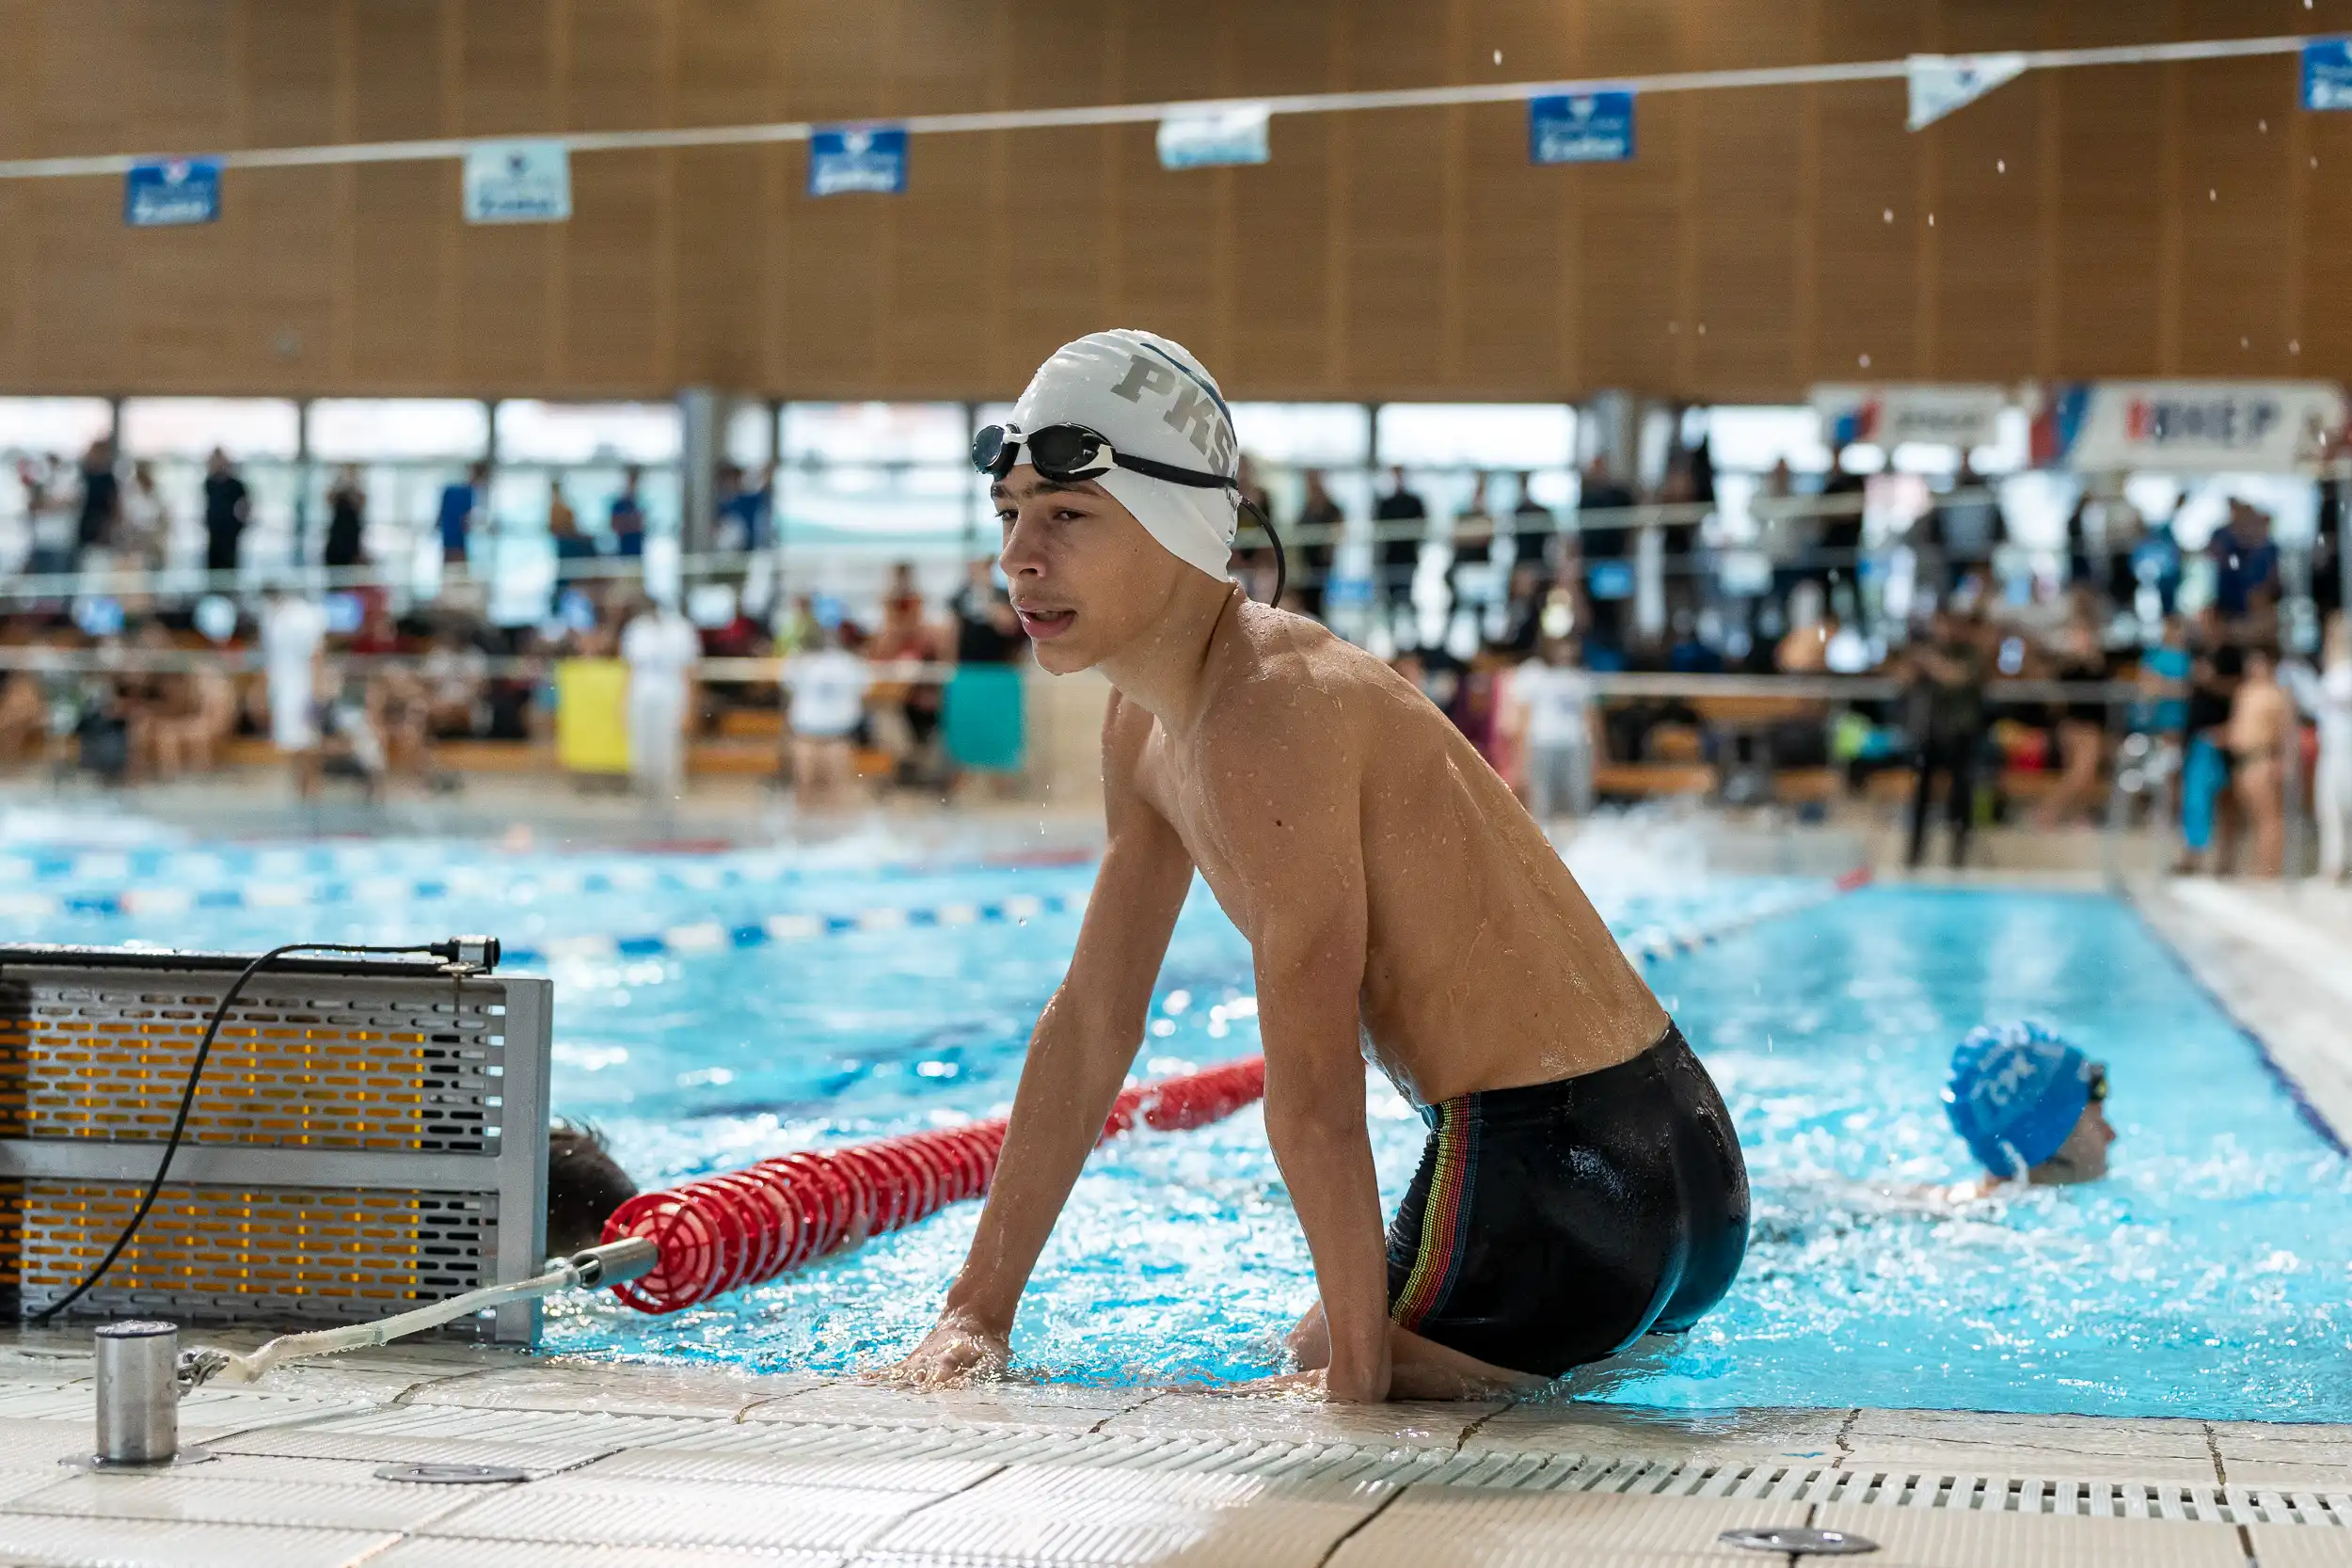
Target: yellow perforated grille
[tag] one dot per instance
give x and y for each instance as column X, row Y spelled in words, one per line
column 300, row 1071
column 216, row 1252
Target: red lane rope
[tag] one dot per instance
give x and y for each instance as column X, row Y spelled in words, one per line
column 720, row 1234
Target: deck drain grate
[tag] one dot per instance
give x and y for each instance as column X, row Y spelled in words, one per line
column 1805, row 1481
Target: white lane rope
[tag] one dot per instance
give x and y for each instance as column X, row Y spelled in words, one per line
column 440, row 147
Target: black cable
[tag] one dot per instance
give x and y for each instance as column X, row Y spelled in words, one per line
column 448, row 950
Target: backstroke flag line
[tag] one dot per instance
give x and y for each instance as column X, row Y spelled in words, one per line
column 1942, row 82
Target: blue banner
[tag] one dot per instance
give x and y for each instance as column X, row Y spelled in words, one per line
column 2328, row 75
column 172, row 191
column 1585, row 128
column 857, row 158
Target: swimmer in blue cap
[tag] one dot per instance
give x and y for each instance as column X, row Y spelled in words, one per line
column 2030, row 1106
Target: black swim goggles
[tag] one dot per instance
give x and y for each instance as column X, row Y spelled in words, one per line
column 1068, row 453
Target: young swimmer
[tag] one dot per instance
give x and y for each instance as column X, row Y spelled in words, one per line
column 2030, row 1107
column 1581, row 1183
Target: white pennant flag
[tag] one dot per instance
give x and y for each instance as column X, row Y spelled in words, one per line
column 1942, row 82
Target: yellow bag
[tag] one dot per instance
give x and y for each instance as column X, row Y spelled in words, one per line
column 591, row 715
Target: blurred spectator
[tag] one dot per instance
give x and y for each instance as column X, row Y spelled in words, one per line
column 563, row 527
column 456, row 675
column 460, row 500
column 661, row 648
column 1533, row 528
column 102, row 502
column 1400, row 542
column 48, row 514
column 347, row 520
column 743, row 502
column 828, row 687
column 293, row 630
column 145, row 534
column 2079, row 656
column 1959, row 532
column 1552, row 702
column 1319, row 524
column 1519, row 626
column 1947, row 721
column 1473, row 534
column 2155, row 568
column 228, row 506
column 2327, row 696
column 2246, row 564
column 2261, row 731
column 2208, row 817
column 628, row 517
column 984, row 714
column 1804, row 647
column 1604, row 542
column 1841, row 518
column 907, row 713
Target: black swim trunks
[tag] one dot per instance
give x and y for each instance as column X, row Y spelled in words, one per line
column 1555, row 1225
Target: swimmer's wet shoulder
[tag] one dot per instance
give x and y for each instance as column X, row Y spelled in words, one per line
column 1312, row 773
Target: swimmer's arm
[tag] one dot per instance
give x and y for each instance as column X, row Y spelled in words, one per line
column 1285, row 810
column 1084, row 1042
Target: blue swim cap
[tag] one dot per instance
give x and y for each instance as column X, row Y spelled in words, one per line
column 2017, row 1090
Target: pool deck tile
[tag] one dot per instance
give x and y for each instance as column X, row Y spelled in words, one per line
column 998, row 1405
column 2078, row 1448
column 620, row 1511
column 187, row 1497
column 1946, row 1538
column 2299, row 1547
column 1438, row 1524
column 1284, row 1420
column 1698, row 1437
column 160, row 1544
column 433, row 1552
column 935, row 1476
column 640, row 1391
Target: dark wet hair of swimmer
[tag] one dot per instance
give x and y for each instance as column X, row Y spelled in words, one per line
column 2030, row 1105
column 584, row 1185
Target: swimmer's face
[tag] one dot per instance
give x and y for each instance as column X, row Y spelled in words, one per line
column 2083, row 1157
column 1086, row 578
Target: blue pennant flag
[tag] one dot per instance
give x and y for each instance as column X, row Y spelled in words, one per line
column 843, row 159
column 2328, row 75
column 1581, row 128
column 172, row 191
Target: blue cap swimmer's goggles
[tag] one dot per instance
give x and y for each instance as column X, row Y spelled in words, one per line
column 1071, row 454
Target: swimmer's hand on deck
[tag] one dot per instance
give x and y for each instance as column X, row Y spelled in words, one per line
column 957, row 1350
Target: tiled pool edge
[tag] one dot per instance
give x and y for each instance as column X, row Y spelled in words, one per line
column 690, row 1464
column 2278, row 995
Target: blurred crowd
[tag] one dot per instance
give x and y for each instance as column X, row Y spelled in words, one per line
column 2180, row 668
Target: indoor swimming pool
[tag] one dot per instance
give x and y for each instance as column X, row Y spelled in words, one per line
column 715, row 1009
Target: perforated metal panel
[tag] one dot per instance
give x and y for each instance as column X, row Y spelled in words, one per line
column 346, row 1155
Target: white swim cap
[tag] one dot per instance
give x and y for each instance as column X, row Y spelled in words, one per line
column 1149, row 398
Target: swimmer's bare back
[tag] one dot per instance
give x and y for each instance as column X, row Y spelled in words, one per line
column 1313, row 777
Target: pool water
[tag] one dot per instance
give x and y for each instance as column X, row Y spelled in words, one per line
column 2207, row 1276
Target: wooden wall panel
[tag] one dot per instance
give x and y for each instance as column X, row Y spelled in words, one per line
column 2107, row 221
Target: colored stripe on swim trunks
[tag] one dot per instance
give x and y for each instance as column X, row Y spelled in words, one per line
column 1444, row 1218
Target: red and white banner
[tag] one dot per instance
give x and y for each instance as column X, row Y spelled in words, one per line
column 1964, row 417
column 2186, row 427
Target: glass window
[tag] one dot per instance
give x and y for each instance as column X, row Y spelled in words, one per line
column 52, row 426
column 1306, row 435
column 751, row 441
column 867, row 504
column 533, row 432
column 1478, row 435
column 876, row 433
column 1751, row 439
column 192, row 427
column 382, row 430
